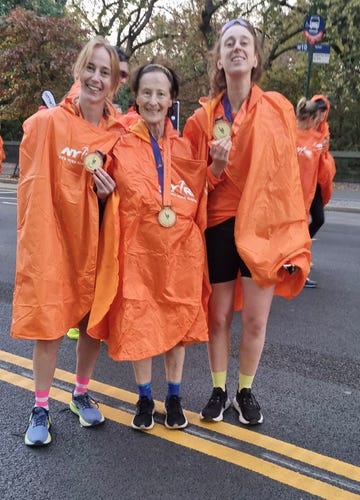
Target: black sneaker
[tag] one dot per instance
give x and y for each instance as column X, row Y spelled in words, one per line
column 175, row 418
column 144, row 418
column 248, row 408
column 217, row 404
column 310, row 283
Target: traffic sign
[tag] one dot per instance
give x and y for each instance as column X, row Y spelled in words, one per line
column 314, row 28
column 321, row 51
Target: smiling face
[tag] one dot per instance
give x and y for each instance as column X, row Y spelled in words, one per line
column 153, row 99
column 237, row 52
column 95, row 77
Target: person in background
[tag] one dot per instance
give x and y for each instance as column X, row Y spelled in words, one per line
column 317, row 166
column 257, row 238
column 152, row 299
column 123, row 66
column 2, row 153
column 63, row 188
column 73, row 333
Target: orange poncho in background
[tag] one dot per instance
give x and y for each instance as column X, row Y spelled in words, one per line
column 58, row 221
column 154, row 295
column 262, row 179
column 327, row 167
column 309, row 148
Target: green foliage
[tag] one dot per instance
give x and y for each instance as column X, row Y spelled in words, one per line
column 40, row 7
column 181, row 33
column 124, row 98
column 37, row 53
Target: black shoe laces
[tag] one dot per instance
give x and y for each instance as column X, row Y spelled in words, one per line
column 85, row 401
column 174, row 406
column 144, row 406
column 39, row 418
column 249, row 400
column 217, row 396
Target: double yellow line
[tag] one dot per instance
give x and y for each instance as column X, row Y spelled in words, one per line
column 252, row 463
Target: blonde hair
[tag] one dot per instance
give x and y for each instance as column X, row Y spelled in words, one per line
column 306, row 109
column 85, row 56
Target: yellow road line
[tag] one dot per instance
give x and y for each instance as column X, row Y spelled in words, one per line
column 218, row 451
column 202, row 445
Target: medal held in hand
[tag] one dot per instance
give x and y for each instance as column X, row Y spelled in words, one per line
column 92, row 161
column 221, row 129
column 166, row 217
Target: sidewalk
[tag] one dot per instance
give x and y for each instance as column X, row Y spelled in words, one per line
column 346, row 196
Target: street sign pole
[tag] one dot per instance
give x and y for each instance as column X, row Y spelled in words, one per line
column 314, row 27
column 308, row 76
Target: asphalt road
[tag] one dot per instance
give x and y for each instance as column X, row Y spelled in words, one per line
column 307, row 384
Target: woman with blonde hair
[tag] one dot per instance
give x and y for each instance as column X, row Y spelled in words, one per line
column 317, row 166
column 64, row 157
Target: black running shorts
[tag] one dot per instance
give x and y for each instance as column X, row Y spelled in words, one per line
column 223, row 259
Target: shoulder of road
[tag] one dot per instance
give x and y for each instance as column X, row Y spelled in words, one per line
column 345, row 198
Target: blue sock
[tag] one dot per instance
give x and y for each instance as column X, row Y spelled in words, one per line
column 145, row 390
column 173, row 389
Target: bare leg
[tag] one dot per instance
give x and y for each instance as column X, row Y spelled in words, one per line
column 174, row 363
column 44, row 363
column 142, row 370
column 254, row 317
column 87, row 351
column 221, row 310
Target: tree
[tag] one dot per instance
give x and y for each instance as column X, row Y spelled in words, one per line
column 40, row 7
column 125, row 21
column 37, row 53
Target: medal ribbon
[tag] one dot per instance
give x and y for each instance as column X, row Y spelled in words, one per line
column 163, row 171
column 227, row 108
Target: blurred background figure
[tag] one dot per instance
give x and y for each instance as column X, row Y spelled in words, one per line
column 317, row 166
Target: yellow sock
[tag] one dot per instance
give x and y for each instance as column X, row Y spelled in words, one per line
column 219, row 379
column 245, row 381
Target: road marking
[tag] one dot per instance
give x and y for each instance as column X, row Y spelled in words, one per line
column 267, row 465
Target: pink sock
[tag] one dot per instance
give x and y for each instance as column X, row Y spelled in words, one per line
column 81, row 385
column 42, row 399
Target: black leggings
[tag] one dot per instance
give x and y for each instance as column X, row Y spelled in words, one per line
column 316, row 212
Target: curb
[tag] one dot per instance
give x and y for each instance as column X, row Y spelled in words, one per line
column 333, row 206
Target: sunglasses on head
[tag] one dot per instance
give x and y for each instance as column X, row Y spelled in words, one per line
column 241, row 22
column 124, row 74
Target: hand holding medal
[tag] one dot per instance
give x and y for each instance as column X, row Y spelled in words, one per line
column 104, row 184
column 94, row 160
column 219, row 152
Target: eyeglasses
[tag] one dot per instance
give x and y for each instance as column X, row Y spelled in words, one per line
column 124, row 74
column 241, row 21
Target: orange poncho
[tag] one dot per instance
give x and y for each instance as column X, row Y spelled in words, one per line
column 327, row 167
column 2, row 153
column 154, row 295
column 309, row 148
column 58, row 221
column 271, row 225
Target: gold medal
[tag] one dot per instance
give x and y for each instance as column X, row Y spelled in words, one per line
column 92, row 161
column 221, row 129
column 167, row 217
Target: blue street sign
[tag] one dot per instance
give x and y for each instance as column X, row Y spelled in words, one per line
column 314, row 27
column 314, row 24
column 318, row 48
